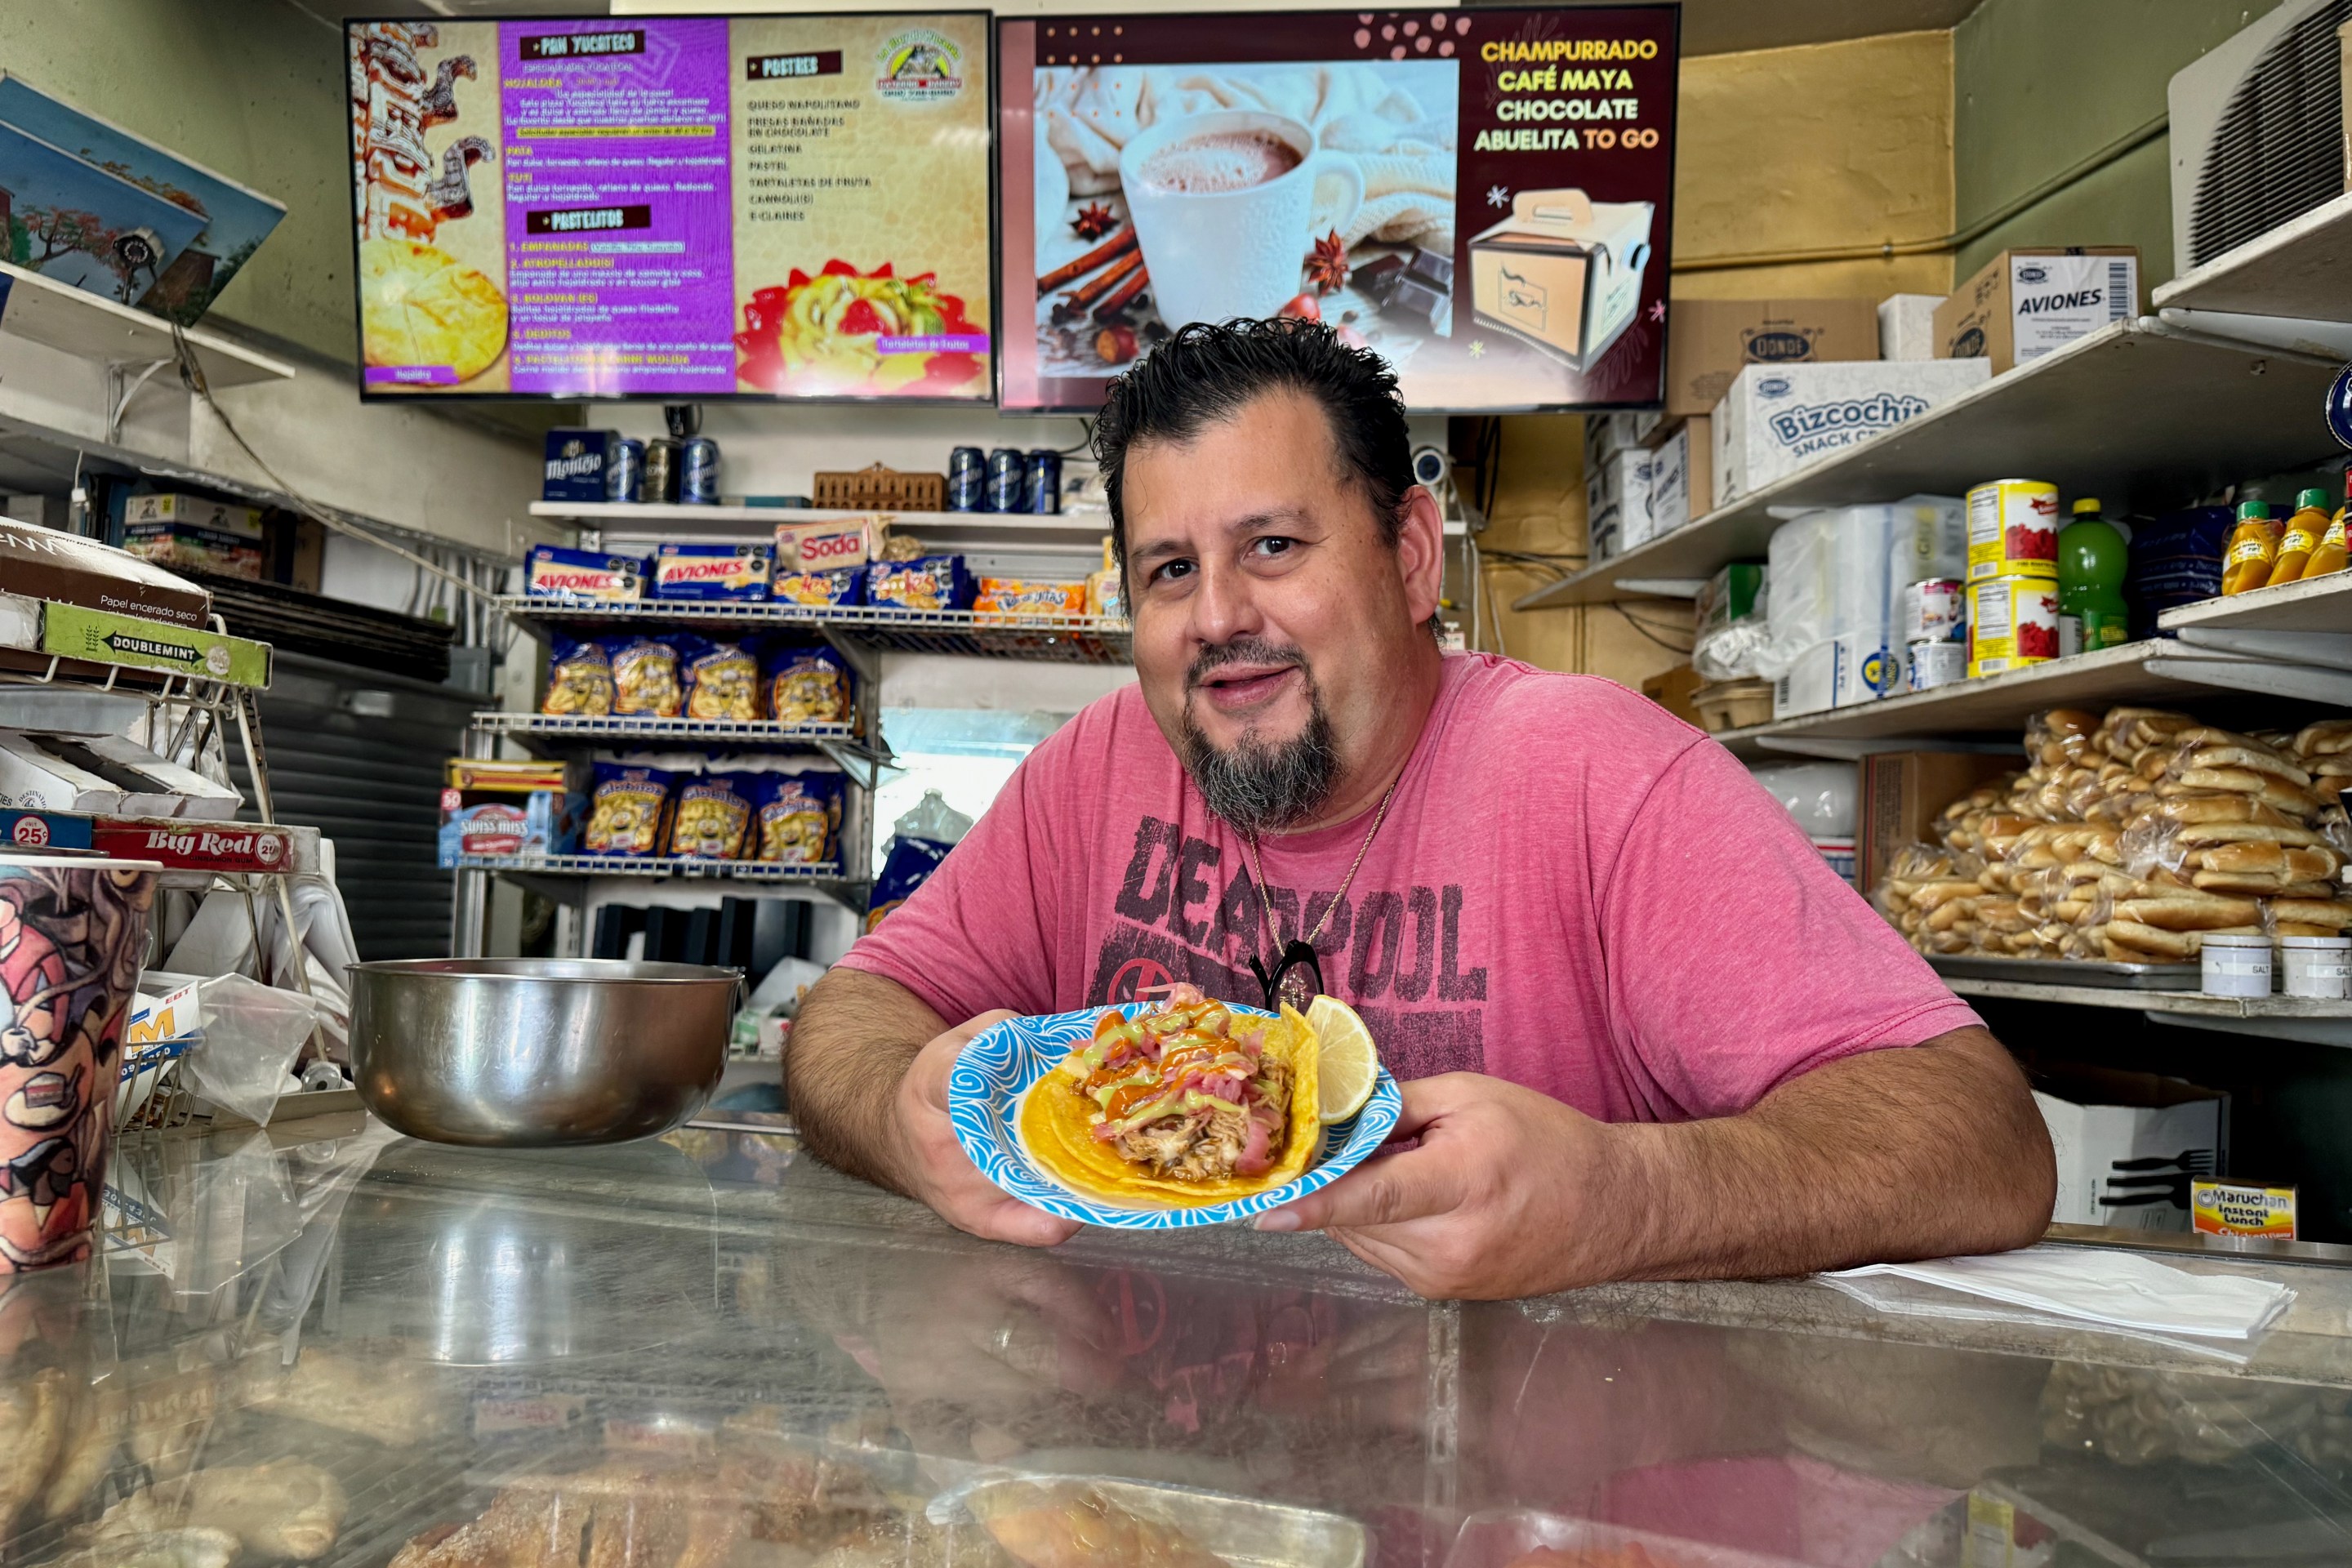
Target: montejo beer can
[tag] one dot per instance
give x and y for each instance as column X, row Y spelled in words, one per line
column 2012, row 530
column 625, row 470
column 663, row 462
column 697, row 474
column 2012, row 623
column 966, row 479
column 1008, row 479
column 1043, row 484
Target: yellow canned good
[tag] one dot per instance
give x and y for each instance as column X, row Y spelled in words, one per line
column 2012, row 622
column 2012, row 530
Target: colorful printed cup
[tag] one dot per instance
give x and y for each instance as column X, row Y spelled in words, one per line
column 73, row 935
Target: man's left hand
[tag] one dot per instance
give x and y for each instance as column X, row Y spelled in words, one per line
column 1497, row 1201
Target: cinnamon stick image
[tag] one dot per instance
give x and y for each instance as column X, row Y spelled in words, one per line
column 1095, row 288
column 1126, row 295
column 1123, row 240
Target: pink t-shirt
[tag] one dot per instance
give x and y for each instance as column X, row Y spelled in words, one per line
column 1573, row 890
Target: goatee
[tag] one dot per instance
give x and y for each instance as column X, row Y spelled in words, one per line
column 1258, row 785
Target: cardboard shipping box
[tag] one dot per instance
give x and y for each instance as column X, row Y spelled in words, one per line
column 42, row 563
column 2025, row 303
column 1708, row 341
column 1902, row 792
column 1682, row 476
column 1777, row 418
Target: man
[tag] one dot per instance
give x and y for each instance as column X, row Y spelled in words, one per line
column 1644, row 1031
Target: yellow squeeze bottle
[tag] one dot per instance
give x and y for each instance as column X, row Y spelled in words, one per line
column 2330, row 555
column 2303, row 531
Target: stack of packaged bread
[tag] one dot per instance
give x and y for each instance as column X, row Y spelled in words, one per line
column 2132, row 836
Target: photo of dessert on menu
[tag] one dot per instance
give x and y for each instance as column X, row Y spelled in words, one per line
column 678, row 206
column 1478, row 196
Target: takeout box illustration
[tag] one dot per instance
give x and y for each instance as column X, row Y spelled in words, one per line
column 1563, row 271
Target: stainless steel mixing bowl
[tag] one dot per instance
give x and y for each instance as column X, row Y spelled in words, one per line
column 534, row 1052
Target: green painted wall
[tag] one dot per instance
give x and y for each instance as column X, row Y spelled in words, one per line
column 252, row 89
column 2041, row 85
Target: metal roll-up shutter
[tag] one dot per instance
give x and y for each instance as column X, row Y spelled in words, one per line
column 360, row 756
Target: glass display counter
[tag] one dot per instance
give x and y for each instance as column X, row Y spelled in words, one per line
column 326, row 1344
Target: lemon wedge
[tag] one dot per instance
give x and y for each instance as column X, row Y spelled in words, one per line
column 1348, row 1065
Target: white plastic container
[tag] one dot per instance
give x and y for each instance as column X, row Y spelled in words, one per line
column 2236, row 965
column 2317, row 966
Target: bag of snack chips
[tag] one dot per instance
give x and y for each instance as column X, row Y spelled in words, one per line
column 712, row 816
column 627, row 809
column 820, row 590
column 1017, row 597
column 928, row 583
column 712, row 571
column 796, row 817
column 807, row 686
column 644, row 677
column 721, row 678
column 579, row 679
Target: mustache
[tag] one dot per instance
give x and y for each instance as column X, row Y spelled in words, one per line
column 1242, row 650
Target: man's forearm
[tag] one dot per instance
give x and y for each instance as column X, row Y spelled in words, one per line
column 1931, row 1152
column 849, row 1048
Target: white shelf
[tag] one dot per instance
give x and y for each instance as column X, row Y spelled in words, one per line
column 2302, row 268
column 2281, row 1017
column 1070, row 531
column 1065, row 639
column 82, row 323
column 2315, row 605
column 2139, row 414
column 655, row 866
column 631, row 727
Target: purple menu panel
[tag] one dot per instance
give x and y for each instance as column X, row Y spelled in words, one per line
column 620, row 250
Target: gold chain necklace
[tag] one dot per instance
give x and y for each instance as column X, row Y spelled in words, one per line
column 1300, row 955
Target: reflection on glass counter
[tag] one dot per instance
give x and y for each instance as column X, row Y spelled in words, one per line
column 327, row 1345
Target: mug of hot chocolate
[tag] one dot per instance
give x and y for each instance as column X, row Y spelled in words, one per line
column 1224, row 206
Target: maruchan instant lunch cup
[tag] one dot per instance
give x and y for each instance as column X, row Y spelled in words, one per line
column 2012, row 530
column 2012, row 623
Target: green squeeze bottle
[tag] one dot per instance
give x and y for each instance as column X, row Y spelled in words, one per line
column 2092, row 560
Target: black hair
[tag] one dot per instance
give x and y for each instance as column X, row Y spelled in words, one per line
column 1209, row 371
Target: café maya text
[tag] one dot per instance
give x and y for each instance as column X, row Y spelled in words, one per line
column 1581, row 81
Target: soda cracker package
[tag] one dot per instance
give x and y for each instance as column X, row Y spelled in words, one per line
column 579, row 679
column 552, row 571
column 645, row 682
column 808, row 686
column 628, row 808
column 712, row 571
column 927, row 582
column 806, row 547
column 818, row 590
column 721, row 678
column 712, row 817
column 796, row 817
column 1013, row 596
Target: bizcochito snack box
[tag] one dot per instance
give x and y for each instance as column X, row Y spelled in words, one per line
column 1563, row 272
column 1777, row 418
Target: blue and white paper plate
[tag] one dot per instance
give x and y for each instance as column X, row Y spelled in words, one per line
column 1003, row 1060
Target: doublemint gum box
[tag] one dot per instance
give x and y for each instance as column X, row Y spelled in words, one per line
column 1777, row 418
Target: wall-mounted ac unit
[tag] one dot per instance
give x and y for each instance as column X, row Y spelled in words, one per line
column 2257, row 131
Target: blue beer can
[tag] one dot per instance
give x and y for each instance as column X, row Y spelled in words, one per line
column 625, row 471
column 966, row 479
column 1008, row 481
column 1044, row 482
column 697, row 473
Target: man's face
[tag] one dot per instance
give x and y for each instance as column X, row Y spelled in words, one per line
column 1276, row 626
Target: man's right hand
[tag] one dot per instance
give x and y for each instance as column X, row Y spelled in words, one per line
column 931, row 1165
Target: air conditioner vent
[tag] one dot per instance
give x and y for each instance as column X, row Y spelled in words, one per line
column 2277, row 151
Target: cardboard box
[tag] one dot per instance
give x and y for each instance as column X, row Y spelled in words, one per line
column 1777, row 418
column 1671, row 689
column 1708, row 341
column 187, row 548
column 1620, row 489
column 1836, row 673
column 2097, row 1120
column 1562, row 273
column 43, row 564
column 192, row 511
column 1902, row 791
column 236, row 847
column 575, row 465
column 1906, row 326
column 1605, row 435
column 1682, row 481
column 495, row 807
column 33, row 778
column 2025, row 303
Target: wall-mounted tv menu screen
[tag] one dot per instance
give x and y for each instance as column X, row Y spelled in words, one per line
column 1481, row 196
column 677, row 208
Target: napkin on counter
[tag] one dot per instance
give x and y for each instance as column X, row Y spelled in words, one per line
column 2113, row 1289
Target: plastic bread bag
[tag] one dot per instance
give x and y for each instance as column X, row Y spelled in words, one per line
column 722, row 680
column 2126, row 732
column 796, row 818
column 627, row 810
column 711, row 817
column 806, row 685
column 646, row 678
column 2059, row 737
column 252, row 1033
column 579, row 679
column 2206, row 759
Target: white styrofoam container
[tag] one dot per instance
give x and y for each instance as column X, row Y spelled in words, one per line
column 1777, row 418
column 2089, row 1139
column 1906, row 326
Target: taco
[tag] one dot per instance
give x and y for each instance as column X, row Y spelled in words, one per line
column 1188, row 1102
